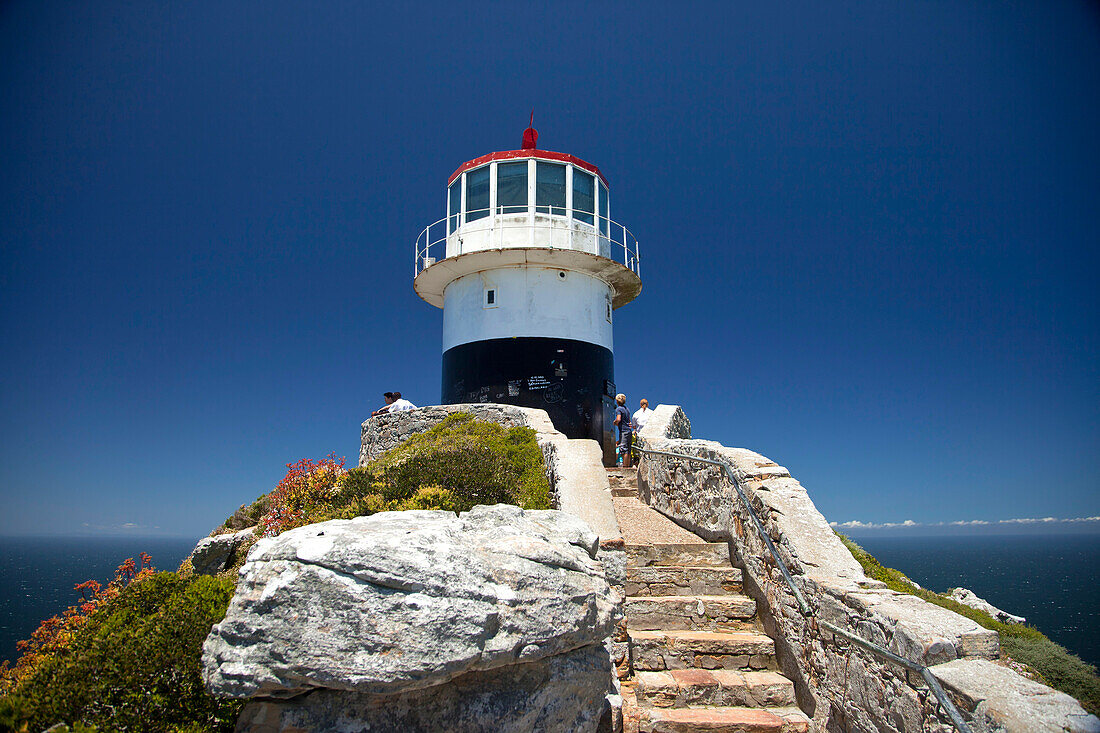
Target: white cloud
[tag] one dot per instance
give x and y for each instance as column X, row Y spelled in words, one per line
column 854, row 524
column 121, row 528
column 857, row 524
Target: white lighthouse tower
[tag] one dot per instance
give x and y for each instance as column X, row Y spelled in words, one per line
column 528, row 267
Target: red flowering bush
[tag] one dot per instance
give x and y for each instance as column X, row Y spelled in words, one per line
column 126, row 658
column 54, row 635
column 308, row 488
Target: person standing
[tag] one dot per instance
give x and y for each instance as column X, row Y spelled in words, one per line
column 641, row 417
column 626, row 432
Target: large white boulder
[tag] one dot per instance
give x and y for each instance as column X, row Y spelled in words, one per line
column 400, row 601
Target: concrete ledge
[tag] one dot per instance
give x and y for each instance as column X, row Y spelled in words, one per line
column 582, row 488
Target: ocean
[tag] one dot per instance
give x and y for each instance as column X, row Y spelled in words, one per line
column 1051, row 580
column 37, row 574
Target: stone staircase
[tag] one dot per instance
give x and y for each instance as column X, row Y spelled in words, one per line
column 699, row 660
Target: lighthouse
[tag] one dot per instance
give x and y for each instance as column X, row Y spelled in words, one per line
column 529, row 267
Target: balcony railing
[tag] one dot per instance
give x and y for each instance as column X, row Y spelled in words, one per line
column 501, row 230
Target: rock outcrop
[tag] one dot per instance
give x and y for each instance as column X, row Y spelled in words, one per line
column 1001, row 700
column 214, row 554
column 967, row 597
column 389, row 607
column 551, row 694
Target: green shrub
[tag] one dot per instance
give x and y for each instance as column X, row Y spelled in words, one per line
column 1058, row 667
column 133, row 665
column 1052, row 663
column 455, row 465
column 246, row 516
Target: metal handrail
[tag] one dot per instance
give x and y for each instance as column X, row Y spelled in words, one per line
column 620, row 244
column 934, row 684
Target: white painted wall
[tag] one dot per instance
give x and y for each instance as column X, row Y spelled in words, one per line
column 530, row 301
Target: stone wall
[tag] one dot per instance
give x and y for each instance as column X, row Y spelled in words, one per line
column 842, row 686
column 389, row 430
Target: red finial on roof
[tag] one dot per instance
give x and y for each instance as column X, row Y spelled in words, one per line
column 530, row 135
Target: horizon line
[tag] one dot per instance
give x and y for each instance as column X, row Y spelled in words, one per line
column 1015, row 522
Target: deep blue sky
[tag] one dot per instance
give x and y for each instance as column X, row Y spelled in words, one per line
column 869, row 235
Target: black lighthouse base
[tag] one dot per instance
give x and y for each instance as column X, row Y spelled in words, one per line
column 572, row 380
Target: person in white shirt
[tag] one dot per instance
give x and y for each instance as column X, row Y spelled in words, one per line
column 394, row 403
column 641, row 417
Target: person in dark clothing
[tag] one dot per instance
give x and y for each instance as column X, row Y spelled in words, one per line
column 626, row 431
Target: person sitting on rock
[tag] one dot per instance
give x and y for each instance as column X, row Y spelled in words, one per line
column 394, row 403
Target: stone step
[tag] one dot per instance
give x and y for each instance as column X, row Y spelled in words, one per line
column 678, row 613
column 692, row 554
column 679, row 580
column 624, row 491
column 655, row 651
column 681, row 688
column 722, row 720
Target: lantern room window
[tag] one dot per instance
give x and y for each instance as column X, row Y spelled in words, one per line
column 584, row 196
column 603, row 210
column 477, row 194
column 550, row 188
column 512, row 188
column 454, row 205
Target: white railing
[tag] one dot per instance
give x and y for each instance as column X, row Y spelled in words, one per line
column 501, row 230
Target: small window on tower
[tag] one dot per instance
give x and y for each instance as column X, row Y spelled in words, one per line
column 609, row 309
column 490, row 298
